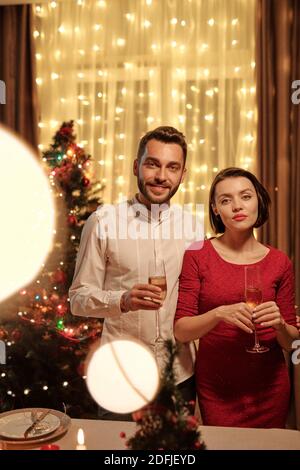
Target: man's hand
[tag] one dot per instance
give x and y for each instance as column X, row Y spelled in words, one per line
column 268, row 314
column 141, row 297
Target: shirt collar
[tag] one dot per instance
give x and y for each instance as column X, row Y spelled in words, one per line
column 157, row 214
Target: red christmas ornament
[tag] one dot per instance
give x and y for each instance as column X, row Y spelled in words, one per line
column 65, row 130
column 2, row 333
column 192, row 422
column 85, row 181
column 61, row 310
column 16, row 335
column 59, row 276
column 54, row 298
column 137, row 415
column 72, row 220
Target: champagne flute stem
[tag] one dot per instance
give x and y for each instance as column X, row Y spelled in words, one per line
column 157, row 324
column 256, row 345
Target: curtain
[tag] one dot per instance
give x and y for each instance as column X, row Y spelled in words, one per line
column 278, row 142
column 122, row 67
column 18, row 72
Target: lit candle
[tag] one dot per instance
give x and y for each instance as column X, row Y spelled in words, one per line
column 80, row 440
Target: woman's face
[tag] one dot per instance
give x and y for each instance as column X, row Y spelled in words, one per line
column 236, row 202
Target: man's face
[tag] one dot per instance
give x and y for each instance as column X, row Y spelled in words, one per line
column 159, row 172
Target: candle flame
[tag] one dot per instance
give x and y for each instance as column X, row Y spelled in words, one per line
column 80, row 437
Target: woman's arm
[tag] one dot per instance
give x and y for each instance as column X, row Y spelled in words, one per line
column 190, row 328
column 281, row 314
column 189, row 325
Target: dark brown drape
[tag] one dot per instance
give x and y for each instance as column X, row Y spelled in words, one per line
column 17, row 70
column 278, row 65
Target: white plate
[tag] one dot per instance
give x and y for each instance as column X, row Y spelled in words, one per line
column 14, row 424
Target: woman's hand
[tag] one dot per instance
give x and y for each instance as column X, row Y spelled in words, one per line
column 239, row 315
column 268, row 314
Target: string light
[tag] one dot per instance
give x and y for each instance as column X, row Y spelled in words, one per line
column 187, row 105
column 121, row 42
column 249, row 114
column 249, row 138
column 130, row 16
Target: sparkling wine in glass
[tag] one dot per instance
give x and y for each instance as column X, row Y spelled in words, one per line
column 254, row 297
column 157, row 277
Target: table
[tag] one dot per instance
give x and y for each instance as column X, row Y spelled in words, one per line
column 105, row 435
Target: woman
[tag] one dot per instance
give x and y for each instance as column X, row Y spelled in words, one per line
column 234, row 387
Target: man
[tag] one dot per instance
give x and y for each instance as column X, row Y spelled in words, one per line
column 117, row 243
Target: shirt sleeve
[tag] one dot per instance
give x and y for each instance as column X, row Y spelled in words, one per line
column 87, row 296
column 285, row 297
column 189, row 286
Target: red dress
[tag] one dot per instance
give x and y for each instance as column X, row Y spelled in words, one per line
column 234, row 387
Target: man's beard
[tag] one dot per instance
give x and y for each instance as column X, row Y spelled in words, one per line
column 143, row 189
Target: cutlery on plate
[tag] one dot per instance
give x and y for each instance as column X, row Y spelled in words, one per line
column 35, row 422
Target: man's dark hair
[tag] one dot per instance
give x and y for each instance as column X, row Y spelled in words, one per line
column 263, row 197
column 164, row 134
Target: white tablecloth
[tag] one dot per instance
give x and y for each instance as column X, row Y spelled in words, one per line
column 106, row 435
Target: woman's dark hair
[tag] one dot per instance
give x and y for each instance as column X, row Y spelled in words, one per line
column 263, row 197
column 164, row 134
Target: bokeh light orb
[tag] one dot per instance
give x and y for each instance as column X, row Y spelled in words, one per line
column 27, row 214
column 122, row 376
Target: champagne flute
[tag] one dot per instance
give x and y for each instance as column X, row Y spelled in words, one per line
column 157, row 277
column 253, row 297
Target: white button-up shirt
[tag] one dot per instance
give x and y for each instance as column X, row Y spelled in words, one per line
column 116, row 246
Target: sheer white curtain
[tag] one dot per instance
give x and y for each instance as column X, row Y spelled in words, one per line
column 122, row 67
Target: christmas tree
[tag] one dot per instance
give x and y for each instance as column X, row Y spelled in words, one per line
column 45, row 345
column 167, row 423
